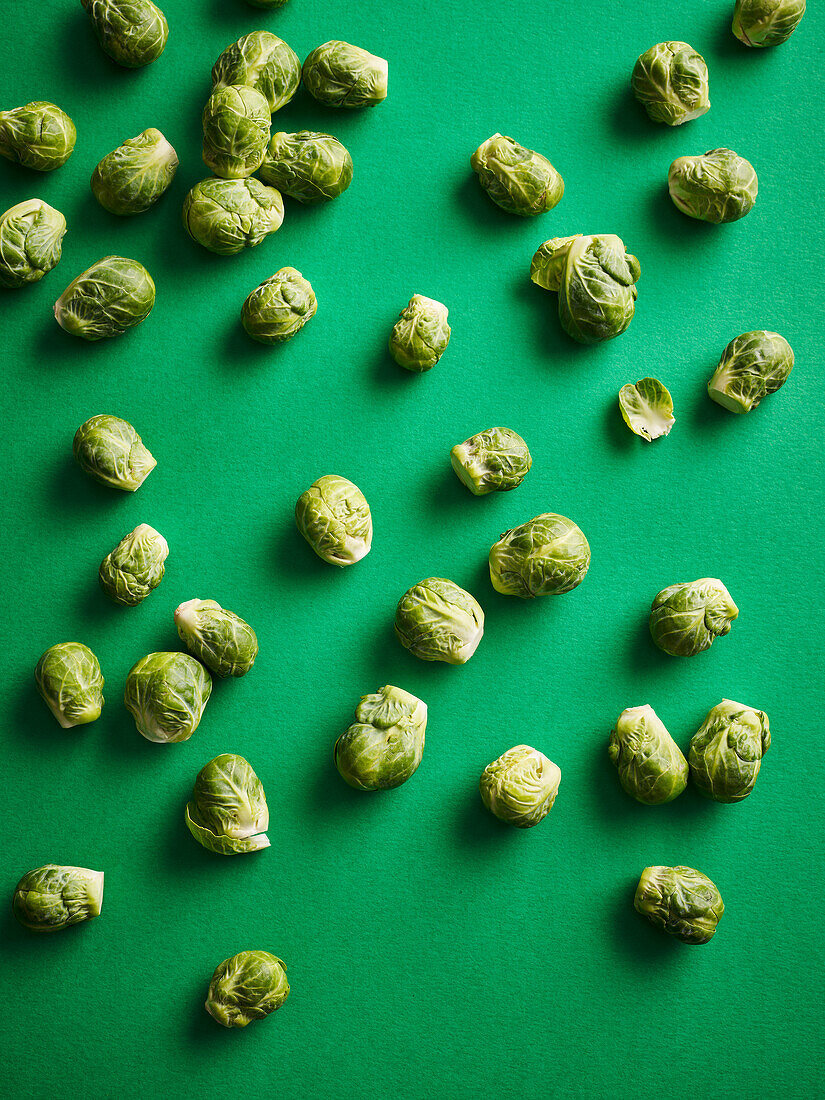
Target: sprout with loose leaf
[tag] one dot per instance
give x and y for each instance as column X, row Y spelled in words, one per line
column 31, row 236
column 384, row 745
column 132, row 32
column 671, row 81
column 69, row 679
column 236, row 122
column 262, row 61
column 110, row 450
column 220, row 639
column 520, row 787
column 228, row 813
column 166, row 694
column 53, row 897
column 227, row 216
column 247, row 987
column 420, row 335
column 752, row 366
column 762, row 23
column 726, row 754
column 681, row 901
column 548, row 555
column 279, row 308
column 518, row 180
column 132, row 178
column 135, row 566
column 686, row 618
column 341, row 75
column 647, row 408
column 107, row 299
column 38, row 136
column 308, row 166
column 717, row 187
column 651, row 766
column 494, row 461
column 335, row 519
column 438, row 621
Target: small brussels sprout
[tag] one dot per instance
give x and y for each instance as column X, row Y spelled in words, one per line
column 166, row 694
column 681, row 901
column 68, row 677
column 308, row 166
column 110, row 450
column 686, row 618
column 262, row 61
column 763, row 23
column 647, row 408
column 752, row 366
column 247, row 987
column 651, row 766
column 717, row 187
column 279, row 308
column 133, row 177
column 383, row 746
column 31, row 236
column 220, row 639
column 341, row 75
column 520, row 787
column 595, row 278
column 335, row 519
column 227, row 216
column 132, row 32
column 438, row 621
column 670, row 80
column 53, row 897
column 726, row 754
column 38, row 136
column 546, row 556
column 494, row 461
column 135, row 566
column 111, row 296
column 518, row 180
column 420, row 335
column 236, row 122
column 228, row 813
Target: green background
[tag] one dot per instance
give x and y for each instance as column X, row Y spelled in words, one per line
column 431, row 951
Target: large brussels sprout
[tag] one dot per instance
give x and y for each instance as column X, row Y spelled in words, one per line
column 651, row 766
column 262, row 61
column 220, row 639
column 520, row 787
column 335, row 519
column 420, row 335
column 718, row 186
column 133, row 177
column 546, row 556
column 279, row 308
column 166, row 694
column 111, row 296
column 647, row 408
column 236, row 122
column 135, row 566
column 595, row 278
column 227, row 216
column 726, row 753
column 494, row 461
column 53, row 897
column 681, row 901
column 383, row 746
column 752, row 366
column 671, row 81
column 686, row 618
column 31, row 236
column 132, row 32
column 68, row 677
column 228, row 813
column 763, row 23
column 110, row 450
column 518, row 180
column 438, row 621
column 38, row 136
column 341, row 75
column 308, row 166
column 247, row 987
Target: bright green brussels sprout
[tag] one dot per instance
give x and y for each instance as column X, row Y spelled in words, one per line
column 132, row 32
column 647, row 408
column 111, row 296
column 220, row 639
column 651, row 766
column 716, row 187
column 31, row 236
column 308, row 166
column 681, row 901
column 133, row 177
column 166, row 694
column 518, row 180
column 135, row 566
column 110, row 450
column 438, row 621
column 752, row 366
column 763, row 23
column 53, row 897
column 686, row 618
column 520, row 787
column 671, row 81
column 383, row 746
column 68, row 677
column 228, row 812
column 247, row 987
column 279, row 308
column 595, row 278
column 494, row 461
column 726, row 754
column 227, row 216
column 341, row 75
column 546, row 556
column 38, row 136
column 334, row 518
column 262, row 61
column 420, row 335
column 236, row 122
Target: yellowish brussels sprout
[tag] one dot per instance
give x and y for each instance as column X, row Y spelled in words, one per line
column 753, row 366
column 132, row 32
column 38, row 136
column 494, row 461
column 718, row 186
column 335, row 519
column 520, row 787
column 31, row 236
column 670, row 80
column 340, row 75
column 262, row 61
column 651, row 766
column 762, row 23
column 166, row 694
column 518, row 180
column 383, row 746
column 685, row 619
column 279, row 308
column 135, row 566
column 438, row 621
column 726, row 754
column 132, row 178
column 236, row 122
column 220, row 639
column 106, row 300
column 647, row 408
column 228, row 813
column 547, row 556
column 247, row 987
column 681, row 901
column 69, row 679
column 110, row 450
column 420, row 335
column 52, row 897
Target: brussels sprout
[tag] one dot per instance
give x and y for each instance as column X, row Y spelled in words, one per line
column 494, row 461
column 220, row 639
column 308, row 166
column 595, row 279
column 166, row 694
column 247, row 987
column 133, row 177
column 518, row 180
column 279, row 308
column 53, row 897
column 670, row 80
column 716, row 187
column 520, row 787
column 420, row 335
column 752, row 366
column 686, row 618
column 341, row 75
column 438, row 621
column 647, row 408
column 227, row 216
column 546, row 556
column 69, row 679
column 383, row 746
column 38, row 136
column 236, row 122
column 31, row 236
column 110, row 450
column 228, row 812
column 262, row 61
column 726, row 754
column 763, row 23
column 334, row 518
column 651, row 766
column 111, row 296
column 135, row 566
column 132, row 32
column 681, row 901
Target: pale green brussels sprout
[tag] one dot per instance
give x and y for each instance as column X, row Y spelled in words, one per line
column 717, row 187
column 236, row 122
column 647, row 408
column 763, row 23
column 31, row 241
column 228, row 813
column 341, row 75
column 438, row 621
column 135, row 566
column 107, row 299
column 308, row 166
column 68, row 677
column 494, row 461
column 110, row 450
column 53, row 897
column 686, row 618
column 384, row 745
column 279, row 308
column 166, row 694
column 752, row 366
column 38, row 136
column 247, row 987
column 726, row 753
column 681, row 901
column 518, row 180
column 420, row 335
column 133, row 177
column 132, row 32
column 651, row 766
column 520, row 787
column 227, row 216
column 220, row 639
column 335, row 519
column 595, row 278
column 262, row 61
column 547, row 556
column 671, row 81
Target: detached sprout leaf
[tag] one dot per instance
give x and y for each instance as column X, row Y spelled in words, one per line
column 135, row 566
column 166, row 694
column 438, row 621
column 753, row 366
column 111, row 296
column 228, row 813
column 685, row 619
column 520, row 787
column 335, row 519
column 262, row 61
column 670, row 80
column 341, row 75
column 717, row 187
column 69, row 679
column 726, row 754
column 31, row 236
column 236, row 123
column 132, row 32
column 420, row 335
column 681, row 901
column 247, row 987
column 494, row 461
column 548, row 555
column 110, row 450
column 53, row 897
column 383, row 747
column 279, row 308
column 308, row 166
column 38, row 136
column 132, row 178
column 647, row 408
column 518, row 180
column 220, row 639
column 651, row 766
column 227, row 216
column 762, row 23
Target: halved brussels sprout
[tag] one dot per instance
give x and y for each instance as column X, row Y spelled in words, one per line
column 236, row 122
column 135, row 566
column 651, row 766
column 752, row 366
column 227, row 216
column 420, row 335
column 335, row 519
column 53, row 897
column 166, row 694
column 384, row 745
column 69, row 679
column 520, row 787
column 110, row 450
column 220, row 639
column 717, row 187
column 262, row 61
column 31, row 236
column 763, row 23
column 494, row 461
column 341, row 75
column 279, row 308
column 228, row 813
column 647, row 408
column 686, row 618
column 107, row 299
column 133, row 177
column 247, row 987
column 671, row 81
column 132, row 32
column 38, row 136
column 438, row 621
column 726, row 754
column 547, row 556
column 308, row 166
column 681, row 901
column 518, row 180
